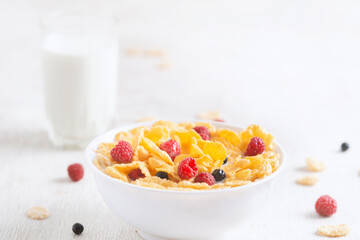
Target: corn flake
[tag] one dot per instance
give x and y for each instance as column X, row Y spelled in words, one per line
column 314, row 165
column 334, row 230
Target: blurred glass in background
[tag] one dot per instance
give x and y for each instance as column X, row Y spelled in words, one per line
column 80, row 61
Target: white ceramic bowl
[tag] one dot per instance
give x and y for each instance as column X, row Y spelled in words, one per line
column 162, row 214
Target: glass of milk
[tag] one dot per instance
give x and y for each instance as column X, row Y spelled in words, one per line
column 80, row 60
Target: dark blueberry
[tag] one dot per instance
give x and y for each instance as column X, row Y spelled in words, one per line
column 219, row 174
column 225, row 161
column 163, row 175
column 77, row 228
column 344, row 146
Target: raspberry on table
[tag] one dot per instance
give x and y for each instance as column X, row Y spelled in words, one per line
column 75, row 171
column 172, row 148
column 255, row 147
column 206, row 178
column 135, row 174
column 122, row 152
column 187, row 168
column 326, row 206
column 203, row 132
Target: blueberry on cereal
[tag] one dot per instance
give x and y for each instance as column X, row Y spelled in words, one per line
column 77, row 228
column 219, row 174
column 162, row 175
column 344, row 146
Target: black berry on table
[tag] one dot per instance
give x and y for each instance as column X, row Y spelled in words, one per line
column 77, row 228
column 163, row 175
column 344, row 146
column 219, row 174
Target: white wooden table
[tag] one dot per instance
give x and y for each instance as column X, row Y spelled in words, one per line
column 292, row 67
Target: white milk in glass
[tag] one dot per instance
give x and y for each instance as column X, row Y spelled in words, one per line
column 80, row 78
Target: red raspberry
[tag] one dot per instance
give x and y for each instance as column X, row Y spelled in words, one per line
column 187, row 168
column 206, row 178
column 203, row 132
column 255, row 147
column 172, row 147
column 122, row 152
column 135, row 174
column 326, row 206
column 76, row 171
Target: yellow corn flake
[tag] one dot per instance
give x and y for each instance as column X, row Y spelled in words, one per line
column 206, row 164
column 141, row 154
column 307, row 180
column 152, row 148
column 208, row 154
column 229, row 136
column 237, row 165
column 216, row 151
column 261, row 165
column 121, row 171
column 243, row 175
column 156, row 164
column 105, row 148
column 124, row 136
column 194, row 150
column 273, row 158
column 155, row 182
column 314, row 165
column 255, row 131
column 102, row 161
column 334, row 230
column 158, row 134
column 185, row 139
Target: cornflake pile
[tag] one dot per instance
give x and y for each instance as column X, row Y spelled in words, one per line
column 188, row 156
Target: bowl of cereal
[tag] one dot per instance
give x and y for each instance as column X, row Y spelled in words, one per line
column 185, row 180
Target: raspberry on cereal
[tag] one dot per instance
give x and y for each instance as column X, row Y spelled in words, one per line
column 255, row 147
column 135, row 174
column 203, row 132
column 187, row 168
column 122, row 152
column 172, row 148
column 75, row 171
column 206, row 178
column 326, row 206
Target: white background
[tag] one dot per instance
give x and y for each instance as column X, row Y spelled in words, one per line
column 291, row 66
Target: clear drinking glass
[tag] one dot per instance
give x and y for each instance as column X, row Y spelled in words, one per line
column 80, row 61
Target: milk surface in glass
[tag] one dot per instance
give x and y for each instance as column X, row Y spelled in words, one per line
column 80, row 78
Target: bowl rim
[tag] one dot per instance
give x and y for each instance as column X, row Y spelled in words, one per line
column 89, row 150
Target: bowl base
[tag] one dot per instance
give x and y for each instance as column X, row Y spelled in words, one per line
column 149, row 237
column 146, row 236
